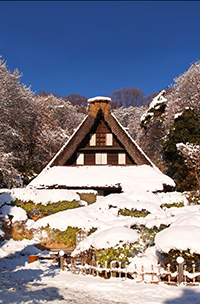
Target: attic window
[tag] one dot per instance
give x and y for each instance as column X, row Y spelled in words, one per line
column 92, row 139
column 109, row 139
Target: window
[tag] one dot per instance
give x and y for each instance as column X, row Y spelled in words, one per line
column 101, row 158
column 109, row 139
column 92, row 139
column 121, row 158
column 80, row 159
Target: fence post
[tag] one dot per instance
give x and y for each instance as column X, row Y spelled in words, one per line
column 126, row 272
column 180, row 261
column 152, row 275
column 106, row 274
column 193, row 270
column 61, row 254
column 93, row 264
column 142, row 269
column 159, row 273
column 82, row 265
column 135, row 271
column 185, row 276
column 168, row 270
column 120, row 270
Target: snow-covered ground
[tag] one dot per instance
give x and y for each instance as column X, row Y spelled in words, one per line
column 43, row 282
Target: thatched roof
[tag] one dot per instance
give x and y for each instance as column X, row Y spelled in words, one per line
column 96, row 106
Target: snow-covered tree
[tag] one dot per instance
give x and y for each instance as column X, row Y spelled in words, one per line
column 191, row 154
column 184, row 93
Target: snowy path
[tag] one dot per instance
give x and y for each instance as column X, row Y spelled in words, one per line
column 41, row 282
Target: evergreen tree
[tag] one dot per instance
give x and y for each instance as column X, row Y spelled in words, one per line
column 186, row 129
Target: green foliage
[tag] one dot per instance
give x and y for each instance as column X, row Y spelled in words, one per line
column 147, row 235
column 186, row 129
column 92, row 230
column 67, row 237
column 120, row 253
column 90, row 198
column 38, row 210
column 133, row 212
column 177, row 205
column 172, row 255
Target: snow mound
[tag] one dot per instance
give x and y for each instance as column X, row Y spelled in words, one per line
column 18, row 213
column 180, row 238
column 108, row 238
column 173, row 197
column 43, row 196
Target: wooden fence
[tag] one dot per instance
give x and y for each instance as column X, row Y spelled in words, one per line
column 154, row 274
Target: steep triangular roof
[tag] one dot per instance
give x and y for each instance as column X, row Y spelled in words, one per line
column 100, row 106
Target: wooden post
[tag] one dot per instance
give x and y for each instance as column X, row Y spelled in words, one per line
column 152, row 275
column 93, row 264
column 193, row 270
column 97, row 265
column 71, row 265
column 180, row 261
column 180, row 273
column 135, row 271
column 125, row 271
column 142, row 269
column 62, row 262
column 82, row 265
column 120, row 271
column 185, row 277
column 74, row 265
column 158, row 273
column 168, row 270
column 106, row 274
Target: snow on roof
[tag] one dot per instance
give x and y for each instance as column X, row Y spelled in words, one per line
column 180, row 238
column 99, row 98
column 130, row 178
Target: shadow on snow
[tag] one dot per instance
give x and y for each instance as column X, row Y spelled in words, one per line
column 189, row 296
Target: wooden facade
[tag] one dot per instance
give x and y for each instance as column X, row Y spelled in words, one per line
column 100, row 140
column 100, row 147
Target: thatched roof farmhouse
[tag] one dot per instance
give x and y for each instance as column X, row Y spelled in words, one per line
column 96, row 155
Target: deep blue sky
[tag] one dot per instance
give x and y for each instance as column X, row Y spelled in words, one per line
column 96, row 47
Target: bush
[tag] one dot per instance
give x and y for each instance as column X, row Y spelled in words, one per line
column 120, row 253
column 147, row 235
column 36, row 211
column 90, row 198
column 133, row 212
column 67, row 237
column 172, row 255
column 177, row 205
